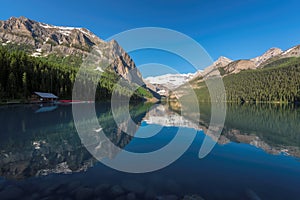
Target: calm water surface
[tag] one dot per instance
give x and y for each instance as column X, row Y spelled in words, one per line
column 256, row 157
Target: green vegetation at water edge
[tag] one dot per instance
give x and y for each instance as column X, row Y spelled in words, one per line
column 21, row 75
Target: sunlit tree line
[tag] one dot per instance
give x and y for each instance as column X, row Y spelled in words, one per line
column 275, row 82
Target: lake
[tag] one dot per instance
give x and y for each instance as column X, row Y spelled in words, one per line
column 256, row 157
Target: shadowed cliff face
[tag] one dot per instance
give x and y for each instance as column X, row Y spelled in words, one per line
column 42, row 40
column 47, row 38
column 40, row 143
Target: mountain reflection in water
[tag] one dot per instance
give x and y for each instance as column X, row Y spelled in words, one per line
column 34, row 144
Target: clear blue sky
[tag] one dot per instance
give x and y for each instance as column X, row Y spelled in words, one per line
column 235, row 29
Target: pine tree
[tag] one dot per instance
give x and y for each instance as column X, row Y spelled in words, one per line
column 24, row 82
column 12, row 87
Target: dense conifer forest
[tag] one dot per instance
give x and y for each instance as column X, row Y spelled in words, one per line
column 278, row 81
column 21, row 75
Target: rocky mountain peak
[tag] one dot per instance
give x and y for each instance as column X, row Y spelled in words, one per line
column 21, row 25
column 43, row 39
column 239, row 65
column 292, row 52
column 266, row 56
column 222, row 61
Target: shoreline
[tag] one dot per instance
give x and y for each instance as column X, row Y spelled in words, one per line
column 149, row 101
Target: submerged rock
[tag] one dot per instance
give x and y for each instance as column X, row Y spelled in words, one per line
column 150, row 194
column 192, row 197
column 131, row 196
column 116, row 191
column 53, row 189
column 172, row 186
column 252, row 195
column 167, row 197
column 101, row 189
column 50, row 198
column 121, row 198
column 73, row 185
column 35, row 196
column 133, row 186
column 83, row 193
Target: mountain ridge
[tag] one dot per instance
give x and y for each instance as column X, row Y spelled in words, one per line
column 227, row 66
column 50, row 44
column 48, row 38
column 275, row 79
column 45, row 40
column 224, row 66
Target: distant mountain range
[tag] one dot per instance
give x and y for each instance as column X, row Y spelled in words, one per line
column 227, row 66
column 167, row 82
column 271, row 77
column 222, row 66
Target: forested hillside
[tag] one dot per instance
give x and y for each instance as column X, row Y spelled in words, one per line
column 278, row 81
column 21, row 75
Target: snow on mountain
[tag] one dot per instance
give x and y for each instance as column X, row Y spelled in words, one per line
column 170, row 81
column 43, row 39
column 267, row 55
column 51, row 39
column 292, row 52
column 58, row 27
column 160, row 115
column 222, row 61
column 67, row 30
